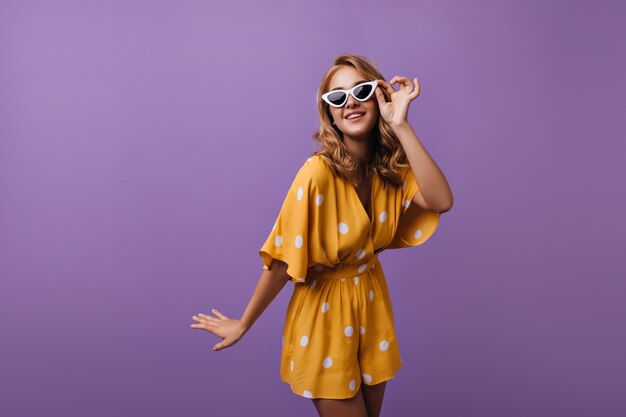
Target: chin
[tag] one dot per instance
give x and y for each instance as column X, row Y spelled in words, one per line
column 358, row 133
column 357, row 130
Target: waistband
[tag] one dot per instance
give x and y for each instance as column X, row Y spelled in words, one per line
column 342, row 270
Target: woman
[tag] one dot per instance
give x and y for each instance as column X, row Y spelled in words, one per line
column 348, row 202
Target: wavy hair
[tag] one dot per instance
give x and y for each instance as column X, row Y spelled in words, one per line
column 388, row 155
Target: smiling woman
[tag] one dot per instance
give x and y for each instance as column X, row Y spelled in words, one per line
column 348, row 202
column 351, row 103
column 357, row 147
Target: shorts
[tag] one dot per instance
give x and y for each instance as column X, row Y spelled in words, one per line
column 339, row 332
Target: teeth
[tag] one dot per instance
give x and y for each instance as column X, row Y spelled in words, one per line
column 353, row 115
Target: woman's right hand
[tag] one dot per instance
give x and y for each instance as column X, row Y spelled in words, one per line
column 228, row 329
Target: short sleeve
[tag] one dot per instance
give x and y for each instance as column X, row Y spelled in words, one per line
column 295, row 237
column 416, row 225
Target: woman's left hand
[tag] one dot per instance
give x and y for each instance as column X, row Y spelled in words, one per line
column 395, row 111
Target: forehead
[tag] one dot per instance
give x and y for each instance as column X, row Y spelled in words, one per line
column 345, row 77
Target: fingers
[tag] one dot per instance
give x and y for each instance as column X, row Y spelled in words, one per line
column 380, row 97
column 215, row 326
column 223, row 344
column 404, row 81
column 416, row 91
column 204, row 318
column 203, row 322
column 218, row 314
column 384, row 84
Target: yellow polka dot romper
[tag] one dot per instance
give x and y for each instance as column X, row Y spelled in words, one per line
column 339, row 326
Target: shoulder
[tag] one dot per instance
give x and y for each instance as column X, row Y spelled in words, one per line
column 406, row 173
column 315, row 171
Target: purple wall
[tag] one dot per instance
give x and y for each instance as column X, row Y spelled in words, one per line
column 146, row 147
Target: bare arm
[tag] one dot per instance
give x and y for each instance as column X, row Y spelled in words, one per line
column 270, row 283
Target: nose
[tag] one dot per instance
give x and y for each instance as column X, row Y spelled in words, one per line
column 352, row 102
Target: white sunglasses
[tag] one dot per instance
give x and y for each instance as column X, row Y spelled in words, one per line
column 361, row 92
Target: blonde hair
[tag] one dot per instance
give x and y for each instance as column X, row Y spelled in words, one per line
column 387, row 157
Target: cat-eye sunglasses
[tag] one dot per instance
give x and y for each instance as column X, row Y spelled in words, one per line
column 361, row 92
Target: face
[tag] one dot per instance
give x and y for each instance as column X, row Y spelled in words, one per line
column 360, row 127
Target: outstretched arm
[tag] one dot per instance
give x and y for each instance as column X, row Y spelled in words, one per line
column 270, row 283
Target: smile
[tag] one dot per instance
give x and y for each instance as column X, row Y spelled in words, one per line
column 355, row 116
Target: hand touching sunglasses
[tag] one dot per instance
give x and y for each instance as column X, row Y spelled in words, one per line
column 361, row 92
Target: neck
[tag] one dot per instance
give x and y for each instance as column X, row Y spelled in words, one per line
column 361, row 147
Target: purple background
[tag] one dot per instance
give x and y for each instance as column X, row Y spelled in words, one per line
column 146, row 148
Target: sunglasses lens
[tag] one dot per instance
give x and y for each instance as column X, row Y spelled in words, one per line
column 337, row 98
column 363, row 91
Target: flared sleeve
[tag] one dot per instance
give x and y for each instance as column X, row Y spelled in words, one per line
column 295, row 237
column 416, row 225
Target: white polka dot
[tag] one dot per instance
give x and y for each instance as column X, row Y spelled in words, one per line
column 362, row 329
column 356, row 280
column 313, row 284
column 343, row 280
column 319, row 267
column 291, row 365
column 352, row 385
column 325, row 307
column 304, row 340
column 348, row 331
column 278, row 240
column 371, row 295
column 319, row 199
column 367, row 378
column 362, row 268
column 343, row 228
column 418, row 233
column 299, row 241
column 406, row 203
column 382, row 216
column 307, row 394
column 383, row 345
column 360, row 253
column 328, row 362
column 300, row 192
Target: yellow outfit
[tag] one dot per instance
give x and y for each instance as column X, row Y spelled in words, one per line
column 339, row 325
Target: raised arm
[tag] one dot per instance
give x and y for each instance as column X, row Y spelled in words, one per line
column 270, row 283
